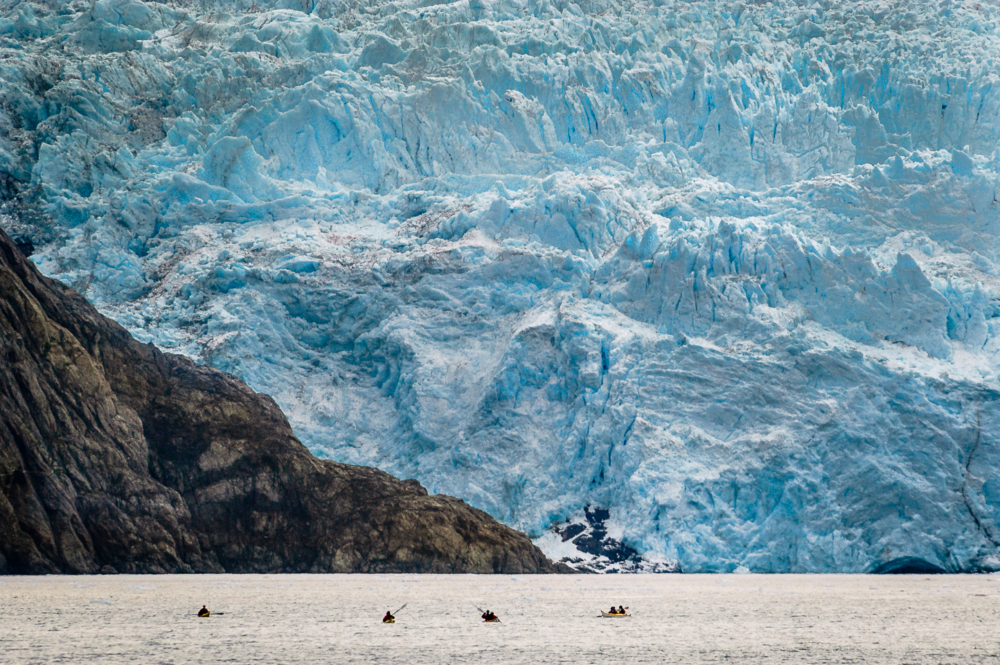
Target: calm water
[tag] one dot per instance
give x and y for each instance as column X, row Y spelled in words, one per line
column 546, row 619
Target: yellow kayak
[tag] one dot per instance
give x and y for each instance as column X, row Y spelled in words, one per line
column 388, row 621
column 613, row 616
column 497, row 620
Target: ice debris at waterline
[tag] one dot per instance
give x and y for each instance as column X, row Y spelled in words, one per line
column 728, row 272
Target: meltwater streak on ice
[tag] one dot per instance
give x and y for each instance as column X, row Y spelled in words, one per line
column 726, row 271
column 546, row 619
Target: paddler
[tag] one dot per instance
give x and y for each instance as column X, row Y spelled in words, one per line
column 203, row 612
column 388, row 617
column 613, row 610
column 489, row 616
column 621, row 610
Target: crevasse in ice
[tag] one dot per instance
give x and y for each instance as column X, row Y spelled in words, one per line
column 723, row 273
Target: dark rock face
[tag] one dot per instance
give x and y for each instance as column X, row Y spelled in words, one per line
column 116, row 457
column 25, row 245
column 599, row 552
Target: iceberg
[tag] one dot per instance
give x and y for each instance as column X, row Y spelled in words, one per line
column 691, row 286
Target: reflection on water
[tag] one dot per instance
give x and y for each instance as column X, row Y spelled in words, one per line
column 545, row 619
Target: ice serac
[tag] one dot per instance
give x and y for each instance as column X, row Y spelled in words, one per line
column 115, row 457
column 716, row 283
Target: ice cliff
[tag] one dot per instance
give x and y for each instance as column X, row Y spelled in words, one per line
column 724, row 274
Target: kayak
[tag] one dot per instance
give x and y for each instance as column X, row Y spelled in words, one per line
column 614, row 616
column 497, row 620
column 205, row 615
column 388, row 621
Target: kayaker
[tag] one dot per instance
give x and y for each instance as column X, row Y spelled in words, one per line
column 203, row 612
column 388, row 617
column 489, row 616
column 621, row 610
column 613, row 610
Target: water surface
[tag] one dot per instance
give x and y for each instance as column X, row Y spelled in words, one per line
column 546, row 619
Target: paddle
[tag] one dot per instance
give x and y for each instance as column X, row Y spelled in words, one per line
column 393, row 614
column 482, row 611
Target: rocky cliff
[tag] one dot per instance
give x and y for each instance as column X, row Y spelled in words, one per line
column 116, row 457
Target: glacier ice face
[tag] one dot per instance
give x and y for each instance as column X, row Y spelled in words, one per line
column 726, row 271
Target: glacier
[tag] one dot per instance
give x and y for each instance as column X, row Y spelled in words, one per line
column 725, row 274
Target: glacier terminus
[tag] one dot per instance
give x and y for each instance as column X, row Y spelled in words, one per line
column 698, row 286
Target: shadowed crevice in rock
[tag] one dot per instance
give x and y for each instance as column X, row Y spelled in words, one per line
column 25, row 245
column 116, row 457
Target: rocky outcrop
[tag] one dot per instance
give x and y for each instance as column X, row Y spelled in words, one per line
column 116, row 457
